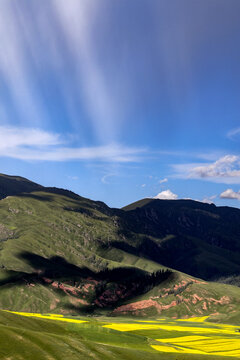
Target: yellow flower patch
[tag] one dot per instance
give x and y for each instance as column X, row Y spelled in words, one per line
column 177, row 350
column 195, row 319
column 197, row 330
column 49, row 317
column 201, row 345
column 131, row 327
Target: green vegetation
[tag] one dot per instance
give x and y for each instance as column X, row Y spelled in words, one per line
column 63, row 253
column 25, row 338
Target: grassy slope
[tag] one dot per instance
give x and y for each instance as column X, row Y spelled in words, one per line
column 31, row 338
column 41, row 225
column 49, row 225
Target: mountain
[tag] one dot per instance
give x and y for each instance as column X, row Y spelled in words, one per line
column 15, row 185
column 60, row 252
column 197, row 238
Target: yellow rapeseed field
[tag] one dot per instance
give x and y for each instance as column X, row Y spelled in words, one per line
column 201, row 345
column 205, row 339
column 178, row 349
column 131, row 326
column 195, row 319
column 49, row 317
column 198, row 329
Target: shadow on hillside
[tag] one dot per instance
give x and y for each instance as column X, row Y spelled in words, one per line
column 163, row 254
column 15, row 186
column 88, row 290
column 179, row 253
column 79, row 204
column 86, row 210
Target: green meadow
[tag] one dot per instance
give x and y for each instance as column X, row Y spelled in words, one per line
column 34, row 336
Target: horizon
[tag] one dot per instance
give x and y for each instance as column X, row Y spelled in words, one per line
column 122, row 101
column 146, row 198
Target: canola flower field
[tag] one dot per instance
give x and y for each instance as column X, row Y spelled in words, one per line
column 193, row 338
column 223, row 340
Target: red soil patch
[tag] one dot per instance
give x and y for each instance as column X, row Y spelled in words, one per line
column 204, row 307
column 46, row 280
column 78, row 301
column 139, row 305
column 166, row 307
column 224, row 300
column 214, row 314
column 144, row 304
column 196, row 298
column 196, row 281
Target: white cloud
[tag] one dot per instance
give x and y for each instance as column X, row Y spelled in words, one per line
column 143, row 185
column 225, row 170
column 163, row 181
column 209, row 200
column 166, row 194
column 14, row 137
column 227, row 166
column 230, row 194
column 36, row 144
column 233, row 133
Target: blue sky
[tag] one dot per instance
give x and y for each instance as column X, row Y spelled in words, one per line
column 120, row 100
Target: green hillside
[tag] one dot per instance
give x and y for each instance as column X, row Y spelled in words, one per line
column 63, row 253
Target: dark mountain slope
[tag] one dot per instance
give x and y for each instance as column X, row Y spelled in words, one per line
column 15, row 185
column 197, row 238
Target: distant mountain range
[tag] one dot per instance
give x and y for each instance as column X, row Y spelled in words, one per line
column 62, row 252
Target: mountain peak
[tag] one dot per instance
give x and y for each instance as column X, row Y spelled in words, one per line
column 15, row 185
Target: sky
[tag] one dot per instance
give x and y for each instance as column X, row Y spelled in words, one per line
column 122, row 100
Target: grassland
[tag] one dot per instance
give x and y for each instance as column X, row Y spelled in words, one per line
column 52, row 336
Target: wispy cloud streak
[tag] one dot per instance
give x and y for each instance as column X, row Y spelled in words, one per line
column 77, row 19
column 56, row 41
column 233, row 134
column 36, row 144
